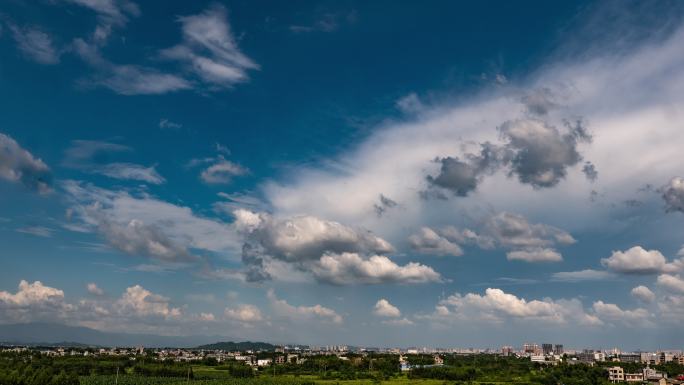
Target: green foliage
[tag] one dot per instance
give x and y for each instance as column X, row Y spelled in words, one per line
column 32, row 368
column 137, row 380
column 489, row 368
column 164, row 369
column 420, row 359
column 673, row 369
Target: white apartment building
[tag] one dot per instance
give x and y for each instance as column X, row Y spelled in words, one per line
column 616, row 374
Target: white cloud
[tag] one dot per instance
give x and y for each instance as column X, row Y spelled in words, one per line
column 244, row 313
column 35, row 44
column 222, row 171
column 139, row 302
column 643, row 294
column 130, row 171
column 207, row 317
column 410, row 104
column 351, row 268
column 138, row 238
column 330, row 251
column 33, row 302
column 315, row 312
column 168, row 124
column 82, row 155
column 527, row 241
column 398, row 322
column 308, row 237
column 127, row 79
column 19, row 165
column 638, row 260
column 110, row 14
column 581, row 275
column 136, row 310
column 238, row 201
column 496, row 306
column 31, row 293
column 673, row 283
column 428, row 241
column 94, row 289
column 325, row 22
column 534, row 255
column 612, row 312
column 209, row 49
column 515, row 231
column 144, row 225
column 673, row 195
column 385, row 309
column 38, row 231
column 82, row 152
column 603, row 89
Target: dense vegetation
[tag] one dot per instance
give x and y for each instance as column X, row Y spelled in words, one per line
column 489, row 368
column 36, row 369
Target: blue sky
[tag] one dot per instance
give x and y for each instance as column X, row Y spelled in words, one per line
column 369, row 173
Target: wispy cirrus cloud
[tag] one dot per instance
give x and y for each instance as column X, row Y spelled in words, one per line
column 110, row 14
column 38, row 231
column 142, row 225
column 94, row 157
column 35, row 44
column 209, row 51
column 582, row 275
column 325, row 21
column 127, row 79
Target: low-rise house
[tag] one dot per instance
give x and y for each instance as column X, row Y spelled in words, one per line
column 438, row 360
column 616, row 374
column 634, row 377
column 264, row 362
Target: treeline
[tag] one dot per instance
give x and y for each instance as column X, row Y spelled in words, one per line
column 23, row 370
column 489, row 368
column 351, row 367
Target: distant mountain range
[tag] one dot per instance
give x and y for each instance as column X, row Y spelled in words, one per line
column 49, row 334
column 235, row 346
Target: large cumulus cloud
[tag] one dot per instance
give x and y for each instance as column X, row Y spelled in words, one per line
column 330, row 251
column 540, row 152
column 525, row 241
column 637, row 260
column 673, row 195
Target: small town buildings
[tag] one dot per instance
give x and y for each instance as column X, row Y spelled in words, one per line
column 634, row 377
column 616, row 374
column 264, row 362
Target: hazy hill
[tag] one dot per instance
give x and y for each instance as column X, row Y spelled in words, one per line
column 235, row 346
column 53, row 334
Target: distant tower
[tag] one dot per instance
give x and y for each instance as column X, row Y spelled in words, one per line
column 547, row 349
column 531, row 349
column 558, row 349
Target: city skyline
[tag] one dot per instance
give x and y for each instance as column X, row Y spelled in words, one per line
column 361, row 173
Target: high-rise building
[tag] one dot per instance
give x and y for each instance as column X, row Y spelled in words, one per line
column 532, row 349
column 507, row 351
column 547, row 349
column 558, row 350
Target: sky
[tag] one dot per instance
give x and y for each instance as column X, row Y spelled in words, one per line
column 363, row 173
